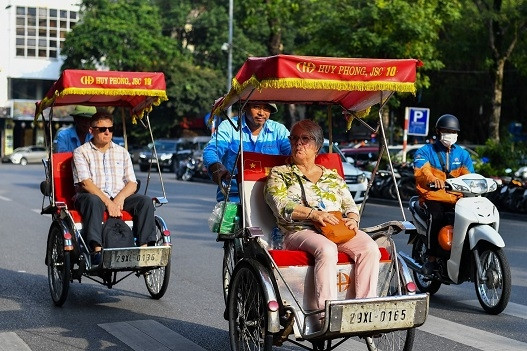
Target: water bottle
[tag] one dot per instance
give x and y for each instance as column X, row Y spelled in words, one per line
column 277, row 239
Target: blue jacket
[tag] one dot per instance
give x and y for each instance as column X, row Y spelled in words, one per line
column 67, row 140
column 225, row 142
column 427, row 168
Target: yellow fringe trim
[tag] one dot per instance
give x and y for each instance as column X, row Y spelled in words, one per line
column 159, row 95
column 314, row 84
column 318, row 84
column 114, row 92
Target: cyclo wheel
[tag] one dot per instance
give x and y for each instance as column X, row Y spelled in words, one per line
column 402, row 340
column 157, row 279
column 247, row 313
column 494, row 293
column 59, row 266
column 418, row 254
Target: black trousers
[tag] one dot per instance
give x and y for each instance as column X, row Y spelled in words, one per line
column 441, row 214
column 92, row 210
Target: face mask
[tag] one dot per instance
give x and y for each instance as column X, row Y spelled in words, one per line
column 448, row 139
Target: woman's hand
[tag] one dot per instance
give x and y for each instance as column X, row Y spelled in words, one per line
column 351, row 223
column 323, row 217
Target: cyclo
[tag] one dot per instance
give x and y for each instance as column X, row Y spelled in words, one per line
column 67, row 253
column 268, row 292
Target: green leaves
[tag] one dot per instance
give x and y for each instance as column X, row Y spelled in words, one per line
column 184, row 39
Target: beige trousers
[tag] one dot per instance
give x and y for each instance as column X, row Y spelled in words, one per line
column 363, row 251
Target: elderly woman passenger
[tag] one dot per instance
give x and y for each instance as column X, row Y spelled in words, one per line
column 324, row 191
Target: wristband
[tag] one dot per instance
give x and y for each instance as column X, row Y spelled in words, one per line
column 309, row 214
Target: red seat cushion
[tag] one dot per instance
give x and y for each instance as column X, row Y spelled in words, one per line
column 286, row 258
column 77, row 216
column 63, row 185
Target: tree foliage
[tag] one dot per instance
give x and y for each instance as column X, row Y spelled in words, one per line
column 461, row 42
column 119, row 35
column 506, row 24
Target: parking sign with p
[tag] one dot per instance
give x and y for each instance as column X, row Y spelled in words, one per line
column 418, row 120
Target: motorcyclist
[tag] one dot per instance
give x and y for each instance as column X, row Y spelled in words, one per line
column 433, row 164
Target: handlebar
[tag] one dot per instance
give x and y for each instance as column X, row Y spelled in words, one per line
column 432, row 186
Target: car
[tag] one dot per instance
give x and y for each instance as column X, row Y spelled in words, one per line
column 195, row 143
column 362, row 157
column 27, row 154
column 356, row 179
column 170, row 152
column 167, row 154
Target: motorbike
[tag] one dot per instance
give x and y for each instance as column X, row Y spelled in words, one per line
column 383, row 178
column 191, row 168
column 384, row 186
column 405, row 182
column 473, row 247
column 187, row 168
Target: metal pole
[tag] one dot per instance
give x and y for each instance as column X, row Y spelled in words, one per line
column 229, row 57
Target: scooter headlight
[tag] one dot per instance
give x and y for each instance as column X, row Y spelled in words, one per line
column 492, row 185
column 476, row 186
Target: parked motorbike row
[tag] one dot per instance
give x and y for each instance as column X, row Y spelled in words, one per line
column 384, row 186
column 511, row 195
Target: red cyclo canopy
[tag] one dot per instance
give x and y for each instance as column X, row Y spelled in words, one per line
column 135, row 90
column 353, row 83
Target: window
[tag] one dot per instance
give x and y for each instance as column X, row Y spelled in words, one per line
column 28, row 89
column 37, row 33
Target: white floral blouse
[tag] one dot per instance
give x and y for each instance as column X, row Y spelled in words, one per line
column 283, row 192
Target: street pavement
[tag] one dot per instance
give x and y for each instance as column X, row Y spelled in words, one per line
column 189, row 317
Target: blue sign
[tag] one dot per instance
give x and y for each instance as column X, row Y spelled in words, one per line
column 418, row 119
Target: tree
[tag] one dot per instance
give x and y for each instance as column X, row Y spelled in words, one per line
column 119, row 35
column 506, row 23
column 379, row 28
column 134, row 36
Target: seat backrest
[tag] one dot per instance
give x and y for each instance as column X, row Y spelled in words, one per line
column 256, row 170
column 63, row 177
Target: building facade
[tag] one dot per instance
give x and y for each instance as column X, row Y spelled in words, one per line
column 33, row 33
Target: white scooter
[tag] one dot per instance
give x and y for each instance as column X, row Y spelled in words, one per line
column 476, row 248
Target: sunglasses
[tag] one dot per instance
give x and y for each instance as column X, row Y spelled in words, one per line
column 304, row 139
column 103, row 129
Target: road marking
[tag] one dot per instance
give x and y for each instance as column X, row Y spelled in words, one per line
column 11, row 342
column 5, row 198
column 469, row 336
column 512, row 309
column 147, row 335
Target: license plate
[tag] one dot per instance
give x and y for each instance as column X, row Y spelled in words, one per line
column 388, row 315
column 136, row 257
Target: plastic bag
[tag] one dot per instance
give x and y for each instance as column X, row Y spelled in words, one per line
column 230, row 213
